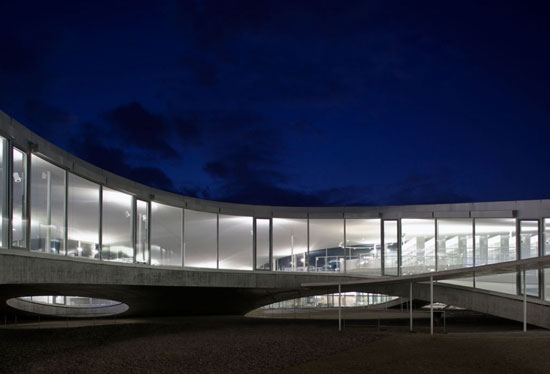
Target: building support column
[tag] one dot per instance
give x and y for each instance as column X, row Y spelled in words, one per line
column 524, row 302
column 410, row 306
column 431, row 305
column 339, row 307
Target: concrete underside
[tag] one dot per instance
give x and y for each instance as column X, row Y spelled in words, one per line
column 151, row 290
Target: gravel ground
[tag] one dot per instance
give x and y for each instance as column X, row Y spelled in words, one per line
column 183, row 345
column 244, row 345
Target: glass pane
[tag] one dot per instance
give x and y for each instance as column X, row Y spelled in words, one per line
column 529, row 239
column 83, row 218
column 19, row 199
column 418, row 246
column 364, row 247
column 262, row 244
column 532, row 280
column 391, row 248
column 326, row 245
column 495, row 240
column 235, row 242
column 4, row 222
column 166, row 226
column 547, row 236
column 289, row 244
column 201, row 239
column 547, row 284
column 117, row 243
column 505, row 283
column 142, row 232
column 47, row 207
column 455, row 243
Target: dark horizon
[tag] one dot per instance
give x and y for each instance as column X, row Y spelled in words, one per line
column 279, row 103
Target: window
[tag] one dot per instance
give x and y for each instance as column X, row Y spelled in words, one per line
column 391, row 248
column 19, row 199
column 142, row 232
column 495, row 242
column 117, row 212
column 455, row 243
column 166, row 238
column 235, row 242
column 262, row 244
column 201, row 239
column 83, row 218
column 4, row 222
column 364, row 251
column 47, row 207
column 418, row 246
column 326, row 245
column 289, row 244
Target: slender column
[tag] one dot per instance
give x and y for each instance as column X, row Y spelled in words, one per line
column 431, row 305
column 524, row 302
column 410, row 306
column 339, row 307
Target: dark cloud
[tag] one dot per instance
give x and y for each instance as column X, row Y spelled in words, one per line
column 44, row 117
column 141, row 128
column 87, row 144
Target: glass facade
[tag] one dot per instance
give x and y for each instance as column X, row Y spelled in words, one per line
column 326, row 245
column 142, row 232
column 4, row 221
column 263, row 241
column 47, row 207
column 83, row 218
column 19, row 199
column 235, row 245
column 71, row 215
column 418, row 246
column 201, row 239
column 391, row 248
column 364, row 247
column 166, row 235
column 117, row 222
column 289, row 244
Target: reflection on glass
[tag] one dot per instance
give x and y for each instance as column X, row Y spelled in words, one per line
column 262, row 244
column 3, row 193
column 547, row 284
column 326, row 245
column 19, row 199
column 47, row 207
column 235, row 242
column 391, row 248
column 142, row 232
column 418, row 246
column 117, row 243
column 529, row 239
column 455, row 243
column 546, row 236
column 289, row 244
column 166, row 240
column 363, row 245
column 201, row 239
column 83, row 218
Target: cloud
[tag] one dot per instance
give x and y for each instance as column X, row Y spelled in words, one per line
column 88, row 145
column 141, row 128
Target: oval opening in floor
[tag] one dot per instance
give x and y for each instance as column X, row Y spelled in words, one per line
column 68, row 306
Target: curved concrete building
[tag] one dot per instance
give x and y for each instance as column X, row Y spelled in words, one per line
column 70, row 228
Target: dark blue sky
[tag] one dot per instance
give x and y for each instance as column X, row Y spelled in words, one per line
column 291, row 103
